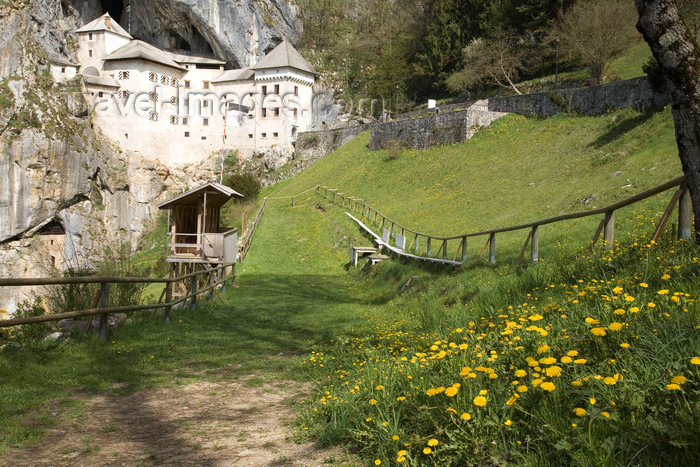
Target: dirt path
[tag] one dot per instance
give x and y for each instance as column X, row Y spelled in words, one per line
column 203, row 424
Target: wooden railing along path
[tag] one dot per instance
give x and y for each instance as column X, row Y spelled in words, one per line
column 606, row 226
column 212, row 278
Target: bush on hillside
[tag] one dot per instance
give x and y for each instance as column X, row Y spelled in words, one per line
column 245, row 183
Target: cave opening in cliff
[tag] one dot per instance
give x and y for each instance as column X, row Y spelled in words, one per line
column 114, row 8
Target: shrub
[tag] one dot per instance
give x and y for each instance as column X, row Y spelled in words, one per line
column 244, row 183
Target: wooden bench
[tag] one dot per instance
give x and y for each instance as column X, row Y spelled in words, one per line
column 358, row 251
column 377, row 257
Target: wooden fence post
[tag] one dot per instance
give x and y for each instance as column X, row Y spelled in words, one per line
column 104, row 303
column 535, row 244
column 444, row 249
column 609, row 230
column 193, row 303
column 464, row 249
column 685, row 214
column 168, row 299
column 492, row 248
column 429, row 242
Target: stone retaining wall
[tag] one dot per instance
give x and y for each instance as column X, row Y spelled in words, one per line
column 591, row 100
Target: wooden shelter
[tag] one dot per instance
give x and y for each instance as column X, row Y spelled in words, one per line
column 195, row 238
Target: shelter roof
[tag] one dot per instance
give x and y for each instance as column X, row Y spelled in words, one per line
column 104, row 23
column 217, row 196
column 144, row 51
column 284, row 55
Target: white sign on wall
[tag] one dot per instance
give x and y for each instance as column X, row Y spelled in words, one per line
column 432, row 103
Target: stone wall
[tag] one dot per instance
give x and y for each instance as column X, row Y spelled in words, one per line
column 424, row 132
column 316, row 144
column 591, row 100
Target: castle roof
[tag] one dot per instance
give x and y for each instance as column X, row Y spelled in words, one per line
column 241, row 74
column 60, row 61
column 196, row 59
column 104, row 23
column 101, row 81
column 284, row 55
column 136, row 49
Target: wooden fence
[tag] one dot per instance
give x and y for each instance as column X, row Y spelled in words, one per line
column 388, row 227
column 202, row 281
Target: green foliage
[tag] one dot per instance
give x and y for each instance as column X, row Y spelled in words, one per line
column 244, row 183
column 29, row 334
column 72, row 297
column 655, row 75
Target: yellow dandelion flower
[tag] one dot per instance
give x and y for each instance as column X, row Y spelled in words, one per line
column 451, row 410
column 675, row 298
column 615, row 326
column 401, row 398
column 634, row 309
column 572, row 353
column 508, row 423
column 400, row 459
column 427, row 451
column 480, row 401
column 665, row 277
column 598, row 332
column 520, row 373
column 431, row 392
column 451, row 391
column 395, row 438
column 521, row 388
column 553, row 371
column 663, row 291
column 619, row 311
column 617, row 289
column 466, row 416
column 625, row 345
column 605, row 414
column 673, row 387
column 695, row 361
column 576, row 382
column 401, row 453
column 378, row 462
column 629, row 298
column 548, row 360
column 483, row 392
column 372, row 402
column 651, row 304
column 433, row 442
column 609, row 380
column 380, row 387
column 580, row 412
column 543, row 349
column 592, row 400
column 590, row 320
column 548, row 386
column 644, row 284
column 679, row 379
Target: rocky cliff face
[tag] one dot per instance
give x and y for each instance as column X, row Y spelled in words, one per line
column 55, row 169
column 228, row 29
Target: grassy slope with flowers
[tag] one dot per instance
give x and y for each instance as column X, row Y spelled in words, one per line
column 581, row 359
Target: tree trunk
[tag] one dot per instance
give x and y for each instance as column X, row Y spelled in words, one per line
column 675, row 49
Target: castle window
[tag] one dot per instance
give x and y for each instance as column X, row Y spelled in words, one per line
column 153, row 77
column 164, row 80
column 204, row 138
column 174, row 119
column 250, row 135
column 205, row 121
column 277, row 88
column 187, row 84
column 185, row 120
column 63, row 69
column 296, row 112
column 153, row 116
column 175, row 82
column 174, row 100
column 296, row 91
column 90, row 36
column 187, row 134
column 100, row 94
column 264, row 112
column 275, row 135
column 205, row 85
column 264, row 135
column 152, row 96
column 89, row 53
column 277, row 112
column 205, row 103
column 124, row 94
column 123, row 75
column 264, row 90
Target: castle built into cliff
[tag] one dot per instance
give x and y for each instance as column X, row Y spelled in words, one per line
column 182, row 108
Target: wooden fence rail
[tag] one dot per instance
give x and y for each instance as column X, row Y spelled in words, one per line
column 391, row 227
column 105, row 281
